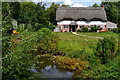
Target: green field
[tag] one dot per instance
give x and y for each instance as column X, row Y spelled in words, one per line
column 72, row 44
column 106, row 34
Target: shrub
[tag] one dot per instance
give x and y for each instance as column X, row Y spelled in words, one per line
column 106, row 49
column 21, row 27
column 94, row 29
column 100, row 28
column 6, row 44
column 109, row 70
column 29, row 27
column 16, row 66
column 23, row 50
column 25, row 27
column 71, row 64
column 84, row 29
column 51, row 26
column 47, row 41
column 115, row 30
column 82, row 54
column 79, row 30
column 109, row 29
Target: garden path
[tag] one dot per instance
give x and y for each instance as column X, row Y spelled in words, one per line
column 87, row 35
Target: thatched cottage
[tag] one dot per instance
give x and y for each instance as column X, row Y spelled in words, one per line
column 70, row 19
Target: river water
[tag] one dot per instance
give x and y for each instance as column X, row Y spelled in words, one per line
column 50, row 70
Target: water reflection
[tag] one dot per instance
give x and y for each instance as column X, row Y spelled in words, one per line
column 54, row 72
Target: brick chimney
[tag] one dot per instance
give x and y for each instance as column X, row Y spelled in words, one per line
column 103, row 6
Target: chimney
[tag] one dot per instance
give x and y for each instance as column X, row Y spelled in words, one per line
column 103, row 6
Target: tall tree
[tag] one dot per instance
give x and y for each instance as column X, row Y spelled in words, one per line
column 27, row 12
column 63, row 5
column 95, row 5
column 112, row 11
column 52, row 12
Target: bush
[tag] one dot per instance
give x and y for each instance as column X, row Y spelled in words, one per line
column 109, row 70
column 106, row 49
column 79, row 30
column 16, row 66
column 25, row 27
column 47, row 41
column 51, row 26
column 29, row 27
column 94, row 29
column 115, row 30
column 84, row 29
column 21, row 27
column 109, row 29
column 100, row 28
column 22, row 53
column 71, row 64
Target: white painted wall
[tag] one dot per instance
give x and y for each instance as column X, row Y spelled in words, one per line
column 64, row 22
column 82, row 23
column 111, row 25
column 96, row 23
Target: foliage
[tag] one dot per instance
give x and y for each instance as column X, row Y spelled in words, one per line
column 93, row 29
column 51, row 26
column 109, row 70
column 40, row 42
column 95, row 5
column 22, row 53
column 84, row 29
column 6, row 45
column 21, row 27
column 112, row 9
column 71, row 64
column 79, row 30
column 47, row 41
column 106, row 49
column 52, row 12
column 115, row 30
column 17, row 65
column 95, row 69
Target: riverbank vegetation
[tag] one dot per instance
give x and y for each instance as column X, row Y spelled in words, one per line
column 36, row 45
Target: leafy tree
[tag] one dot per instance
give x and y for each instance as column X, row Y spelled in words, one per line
column 27, row 13
column 112, row 11
column 95, row 5
column 42, row 16
column 52, row 12
column 63, row 5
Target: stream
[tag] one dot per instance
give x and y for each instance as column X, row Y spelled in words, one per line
column 48, row 69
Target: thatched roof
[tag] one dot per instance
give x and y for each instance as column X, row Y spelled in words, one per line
column 76, row 13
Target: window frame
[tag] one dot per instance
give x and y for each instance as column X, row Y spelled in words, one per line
column 65, row 26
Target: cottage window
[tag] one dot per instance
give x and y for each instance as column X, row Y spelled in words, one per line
column 65, row 26
column 98, row 26
column 89, row 26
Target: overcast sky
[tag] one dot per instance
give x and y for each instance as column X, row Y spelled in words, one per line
column 72, row 3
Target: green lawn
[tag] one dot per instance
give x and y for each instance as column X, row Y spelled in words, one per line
column 73, row 44
column 104, row 34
